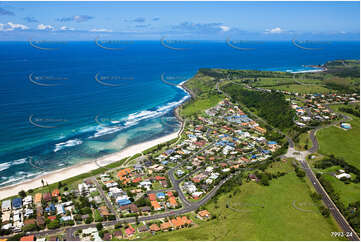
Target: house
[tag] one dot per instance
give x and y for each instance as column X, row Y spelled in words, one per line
column 17, row 203
column 142, row 229
column 83, row 188
column 154, row 228
column 118, row 234
column 152, row 197
column 40, row 221
column 204, row 214
column 165, row 226
column 107, row 236
column 28, row 200
column 343, row 175
column 104, row 211
column 6, row 217
column 160, row 178
column 28, row 212
column 253, row 177
column 66, row 218
column 28, row 238
column 129, row 231
column 60, row 209
column 39, row 211
column 122, row 202
column 180, row 222
column 6, row 205
column 55, row 193
column 156, row 206
column 196, row 195
column 54, row 217
column 164, row 184
column 145, row 209
column 37, row 198
column 47, row 197
column 172, row 202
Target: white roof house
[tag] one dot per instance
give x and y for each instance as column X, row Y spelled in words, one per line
column 348, row 176
column 6, row 205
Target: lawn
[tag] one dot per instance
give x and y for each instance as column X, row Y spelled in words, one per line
column 342, row 143
column 257, row 212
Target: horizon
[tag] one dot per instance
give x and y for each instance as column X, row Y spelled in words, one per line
column 180, row 20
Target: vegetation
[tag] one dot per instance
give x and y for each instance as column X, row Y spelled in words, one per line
column 271, row 106
column 251, row 208
column 341, row 143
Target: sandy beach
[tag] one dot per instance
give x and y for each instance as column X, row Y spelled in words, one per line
column 84, row 167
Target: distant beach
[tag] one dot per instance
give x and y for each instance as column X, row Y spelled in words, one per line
column 81, row 168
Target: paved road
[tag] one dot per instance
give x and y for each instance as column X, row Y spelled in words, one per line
column 105, row 198
column 329, row 203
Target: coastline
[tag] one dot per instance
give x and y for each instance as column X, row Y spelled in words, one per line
column 84, row 167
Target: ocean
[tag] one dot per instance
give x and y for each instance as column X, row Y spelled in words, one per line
column 67, row 102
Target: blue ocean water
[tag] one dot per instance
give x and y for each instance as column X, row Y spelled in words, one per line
column 64, row 105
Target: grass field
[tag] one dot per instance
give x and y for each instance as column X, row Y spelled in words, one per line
column 200, row 105
column 261, row 213
column 349, row 193
column 303, row 89
column 342, row 143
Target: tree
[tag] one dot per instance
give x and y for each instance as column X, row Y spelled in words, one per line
column 264, row 180
column 22, row 193
column 54, row 224
column 325, row 211
column 30, row 227
column 99, row 226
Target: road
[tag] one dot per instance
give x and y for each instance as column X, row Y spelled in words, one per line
column 329, row 203
column 105, row 198
column 309, row 172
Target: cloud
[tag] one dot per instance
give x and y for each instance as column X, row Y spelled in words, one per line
column 11, row 26
column 31, row 20
column 45, row 27
column 156, row 19
column 101, row 30
column 135, row 20
column 225, row 28
column 142, row 25
column 200, row 28
column 6, row 12
column 276, row 30
column 76, row 18
column 64, row 28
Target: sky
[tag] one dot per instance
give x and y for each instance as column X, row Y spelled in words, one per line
column 21, row 21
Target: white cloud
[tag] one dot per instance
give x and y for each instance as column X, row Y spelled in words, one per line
column 225, row 28
column 11, row 26
column 45, row 27
column 64, row 28
column 101, row 30
column 276, row 30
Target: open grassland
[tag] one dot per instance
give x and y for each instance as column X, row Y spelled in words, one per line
column 342, row 143
column 200, row 105
column 303, row 89
column 255, row 212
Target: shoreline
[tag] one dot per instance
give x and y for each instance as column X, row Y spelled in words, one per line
column 84, row 167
